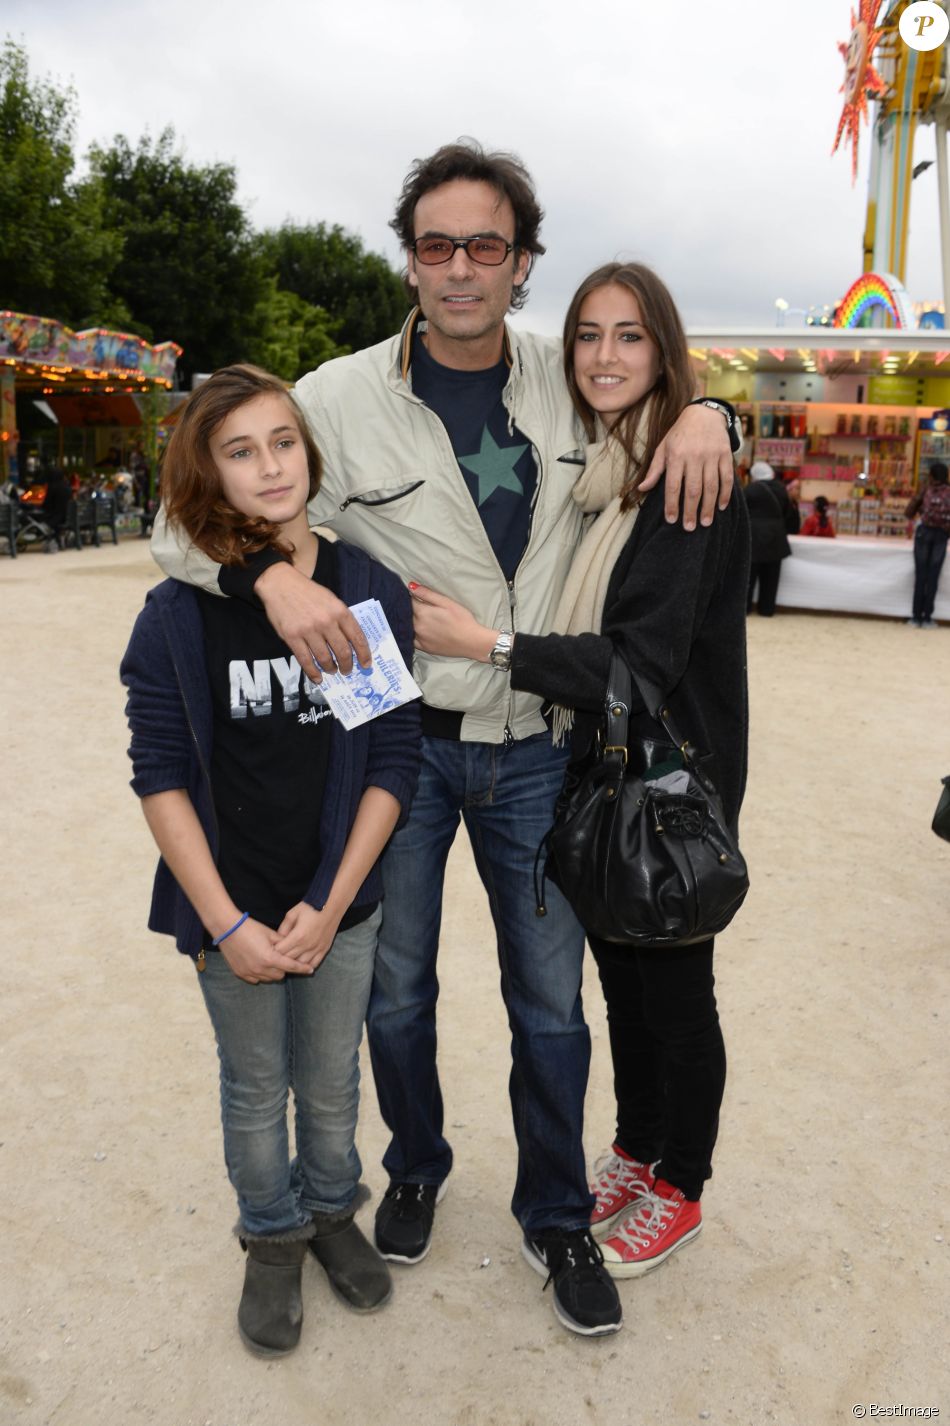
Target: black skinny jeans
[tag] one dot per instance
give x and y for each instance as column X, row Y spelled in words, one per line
column 668, row 1054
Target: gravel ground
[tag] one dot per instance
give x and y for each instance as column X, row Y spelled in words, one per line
column 820, row 1282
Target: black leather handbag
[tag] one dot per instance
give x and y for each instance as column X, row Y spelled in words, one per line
column 643, row 853
column 941, row 821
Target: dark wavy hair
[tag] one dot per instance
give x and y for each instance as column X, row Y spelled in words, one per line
column 507, row 175
column 675, row 385
column 190, row 484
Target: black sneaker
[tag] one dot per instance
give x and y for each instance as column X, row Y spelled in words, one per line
column 585, row 1299
column 404, row 1220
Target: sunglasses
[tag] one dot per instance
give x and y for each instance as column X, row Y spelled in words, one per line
column 490, row 252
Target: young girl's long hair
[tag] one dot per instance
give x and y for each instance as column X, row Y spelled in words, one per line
column 190, row 485
column 675, row 385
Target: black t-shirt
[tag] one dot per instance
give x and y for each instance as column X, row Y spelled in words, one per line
column 497, row 463
column 270, row 755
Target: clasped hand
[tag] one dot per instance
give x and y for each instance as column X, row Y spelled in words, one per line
column 255, row 953
column 306, row 934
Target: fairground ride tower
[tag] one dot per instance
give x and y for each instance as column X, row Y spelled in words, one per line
column 917, row 92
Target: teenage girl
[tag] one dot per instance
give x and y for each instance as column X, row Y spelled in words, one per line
column 270, row 820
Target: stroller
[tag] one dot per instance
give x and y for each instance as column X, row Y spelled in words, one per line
column 47, row 522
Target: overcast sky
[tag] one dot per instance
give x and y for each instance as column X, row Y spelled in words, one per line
column 695, row 136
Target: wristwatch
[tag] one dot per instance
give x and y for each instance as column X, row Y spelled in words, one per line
column 500, row 656
column 733, row 425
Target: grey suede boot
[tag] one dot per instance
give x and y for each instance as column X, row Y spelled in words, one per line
column 270, row 1315
column 357, row 1273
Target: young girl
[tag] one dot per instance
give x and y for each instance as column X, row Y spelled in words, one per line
column 673, row 604
column 819, row 523
column 270, row 820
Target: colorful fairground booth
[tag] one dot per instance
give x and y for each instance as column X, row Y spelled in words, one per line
column 856, row 416
column 854, row 404
column 92, row 403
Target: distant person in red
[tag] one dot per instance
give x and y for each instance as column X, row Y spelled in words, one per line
column 818, row 523
column 932, row 504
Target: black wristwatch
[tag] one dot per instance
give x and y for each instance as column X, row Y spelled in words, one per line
column 733, row 425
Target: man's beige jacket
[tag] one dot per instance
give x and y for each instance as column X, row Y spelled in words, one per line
column 392, row 486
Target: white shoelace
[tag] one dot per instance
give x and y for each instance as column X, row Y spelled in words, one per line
column 612, row 1175
column 645, row 1223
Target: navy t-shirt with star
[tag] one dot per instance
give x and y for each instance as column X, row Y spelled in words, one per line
column 270, row 756
column 497, row 463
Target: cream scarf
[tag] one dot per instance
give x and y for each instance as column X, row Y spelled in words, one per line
column 581, row 606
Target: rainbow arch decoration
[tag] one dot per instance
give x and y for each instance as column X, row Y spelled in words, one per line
column 875, row 290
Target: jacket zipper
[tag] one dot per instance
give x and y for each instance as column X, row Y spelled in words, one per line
column 384, row 500
column 509, row 735
column 512, row 598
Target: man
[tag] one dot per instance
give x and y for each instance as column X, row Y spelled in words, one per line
column 932, row 504
column 450, row 452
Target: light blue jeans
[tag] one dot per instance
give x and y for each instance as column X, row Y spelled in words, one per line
column 303, row 1034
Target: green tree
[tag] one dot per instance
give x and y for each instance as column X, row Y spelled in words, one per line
column 189, row 270
column 290, row 336
column 329, row 268
column 55, row 252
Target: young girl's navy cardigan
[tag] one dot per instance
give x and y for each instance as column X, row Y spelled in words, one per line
column 170, row 717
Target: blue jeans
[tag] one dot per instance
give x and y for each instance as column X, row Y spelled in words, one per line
column 506, row 798
column 301, row 1033
column 930, row 548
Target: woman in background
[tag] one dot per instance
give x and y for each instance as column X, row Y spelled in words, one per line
column 773, row 518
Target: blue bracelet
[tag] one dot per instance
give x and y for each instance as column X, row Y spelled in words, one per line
column 225, row 934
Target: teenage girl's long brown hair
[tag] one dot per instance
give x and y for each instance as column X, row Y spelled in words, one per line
column 190, row 484
column 675, row 385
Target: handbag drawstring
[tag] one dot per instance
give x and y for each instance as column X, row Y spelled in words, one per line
column 539, row 907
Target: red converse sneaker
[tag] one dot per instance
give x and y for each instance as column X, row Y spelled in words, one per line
column 663, row 1221
column 619, row 1183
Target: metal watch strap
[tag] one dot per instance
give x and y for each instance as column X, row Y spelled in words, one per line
column 727, row 411
column 500, row 656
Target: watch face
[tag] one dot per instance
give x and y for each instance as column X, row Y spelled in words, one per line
column 500, row 656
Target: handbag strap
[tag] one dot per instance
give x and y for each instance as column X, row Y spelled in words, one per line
column 617, row 716
column 620, row 683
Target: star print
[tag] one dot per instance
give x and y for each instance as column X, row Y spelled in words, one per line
column 495, row 467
